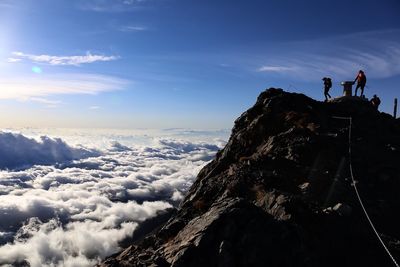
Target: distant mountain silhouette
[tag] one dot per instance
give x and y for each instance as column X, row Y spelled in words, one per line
column 280, row 193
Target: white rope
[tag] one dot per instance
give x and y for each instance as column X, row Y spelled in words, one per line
column 357, row 193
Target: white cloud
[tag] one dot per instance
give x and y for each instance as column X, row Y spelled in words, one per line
column 38, row 87
column 94, row 107
column 132, row 28
column 13, row 60
column 62, row 60
column 274, row 69
column 76, row 213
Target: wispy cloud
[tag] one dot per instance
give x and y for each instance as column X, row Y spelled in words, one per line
column 274, row 69
column 377, row 64
column 109, row 5
column 61, row 60
column 38, row 88
column 130, row 2
column 94, row 107
column 131, row 28
column 13, row 60
column 46, row 102
column 378, row 53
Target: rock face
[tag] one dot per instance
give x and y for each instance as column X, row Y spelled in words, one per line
column 280, row 193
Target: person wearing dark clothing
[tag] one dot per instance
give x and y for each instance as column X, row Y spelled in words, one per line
column 375, row 102
column 361, row 81
column 327, row 86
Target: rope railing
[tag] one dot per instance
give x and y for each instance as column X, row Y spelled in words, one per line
column 350, row 119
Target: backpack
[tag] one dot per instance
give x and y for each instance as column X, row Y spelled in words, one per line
column 328, row 82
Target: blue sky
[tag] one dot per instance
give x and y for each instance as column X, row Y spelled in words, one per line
column 183, row 63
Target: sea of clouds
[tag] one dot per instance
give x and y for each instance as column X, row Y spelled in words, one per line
column 71, row 201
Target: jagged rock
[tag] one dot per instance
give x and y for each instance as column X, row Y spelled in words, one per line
column 342, row 209
column 279, row 193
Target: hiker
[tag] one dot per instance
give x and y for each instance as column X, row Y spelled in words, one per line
column 375, row 102
column 361, row 81
column 327, row 86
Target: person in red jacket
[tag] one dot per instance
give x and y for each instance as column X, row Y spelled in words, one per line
column 361, row 81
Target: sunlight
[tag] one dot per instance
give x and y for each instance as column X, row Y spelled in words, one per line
column 36, row 69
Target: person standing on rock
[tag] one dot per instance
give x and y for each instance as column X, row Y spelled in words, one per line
column 327, row 86
column 375, row 102
column 361, row 81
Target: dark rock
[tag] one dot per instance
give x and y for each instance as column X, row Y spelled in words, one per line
column 279, row 193
column 342, row 209
column 148, row 226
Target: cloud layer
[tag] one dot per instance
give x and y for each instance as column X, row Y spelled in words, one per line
column 77, row 212
column 18, row 151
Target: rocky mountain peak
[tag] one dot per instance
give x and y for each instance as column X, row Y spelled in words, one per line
column 280, row 193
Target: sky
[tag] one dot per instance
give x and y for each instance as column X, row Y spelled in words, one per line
column 184, row 63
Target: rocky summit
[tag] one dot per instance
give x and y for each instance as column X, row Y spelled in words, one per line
column 280, row 192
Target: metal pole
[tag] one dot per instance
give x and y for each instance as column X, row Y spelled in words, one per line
column 395, row 108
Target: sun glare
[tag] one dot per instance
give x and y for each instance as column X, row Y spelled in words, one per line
column 36, row 69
